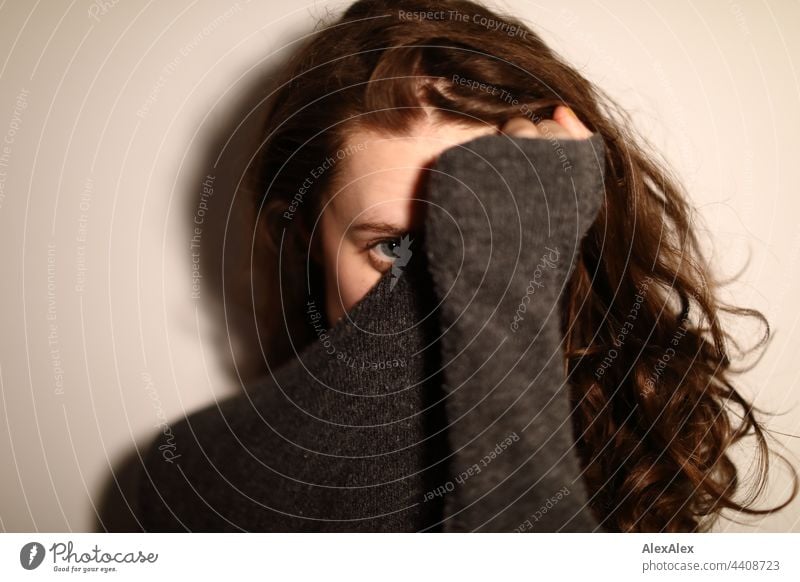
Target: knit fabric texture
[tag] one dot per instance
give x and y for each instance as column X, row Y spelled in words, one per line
column 440, row 401
column 503, row 234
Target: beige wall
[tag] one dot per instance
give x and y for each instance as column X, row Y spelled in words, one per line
column 110, row 115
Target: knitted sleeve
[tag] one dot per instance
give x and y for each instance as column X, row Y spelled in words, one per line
column 350, row 435
column 505, row 221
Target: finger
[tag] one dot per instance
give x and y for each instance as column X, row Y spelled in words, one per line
column 550, row 129
column 520, row 127
column 566, row 117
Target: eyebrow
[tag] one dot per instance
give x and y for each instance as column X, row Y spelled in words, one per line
column 381, row 227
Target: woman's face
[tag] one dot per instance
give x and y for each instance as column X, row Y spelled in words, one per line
column 381, row 178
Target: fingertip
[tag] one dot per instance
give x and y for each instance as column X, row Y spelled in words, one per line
column 566, row 117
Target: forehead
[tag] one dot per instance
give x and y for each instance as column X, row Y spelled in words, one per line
column 383, row 173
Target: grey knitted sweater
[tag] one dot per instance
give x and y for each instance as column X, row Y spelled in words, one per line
column 440, row 402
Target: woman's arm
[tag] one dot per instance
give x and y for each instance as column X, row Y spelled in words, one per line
column 505, row 222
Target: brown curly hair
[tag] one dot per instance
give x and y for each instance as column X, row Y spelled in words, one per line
column 647, row 355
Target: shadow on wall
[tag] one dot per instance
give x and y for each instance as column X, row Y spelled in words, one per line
column 219, row 244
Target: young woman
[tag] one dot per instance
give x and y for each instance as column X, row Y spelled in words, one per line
column 482, row 303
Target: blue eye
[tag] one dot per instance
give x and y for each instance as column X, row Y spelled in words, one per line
column 386, row 249
column 391, row 252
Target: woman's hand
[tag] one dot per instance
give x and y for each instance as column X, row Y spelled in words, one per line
column 564, row 125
